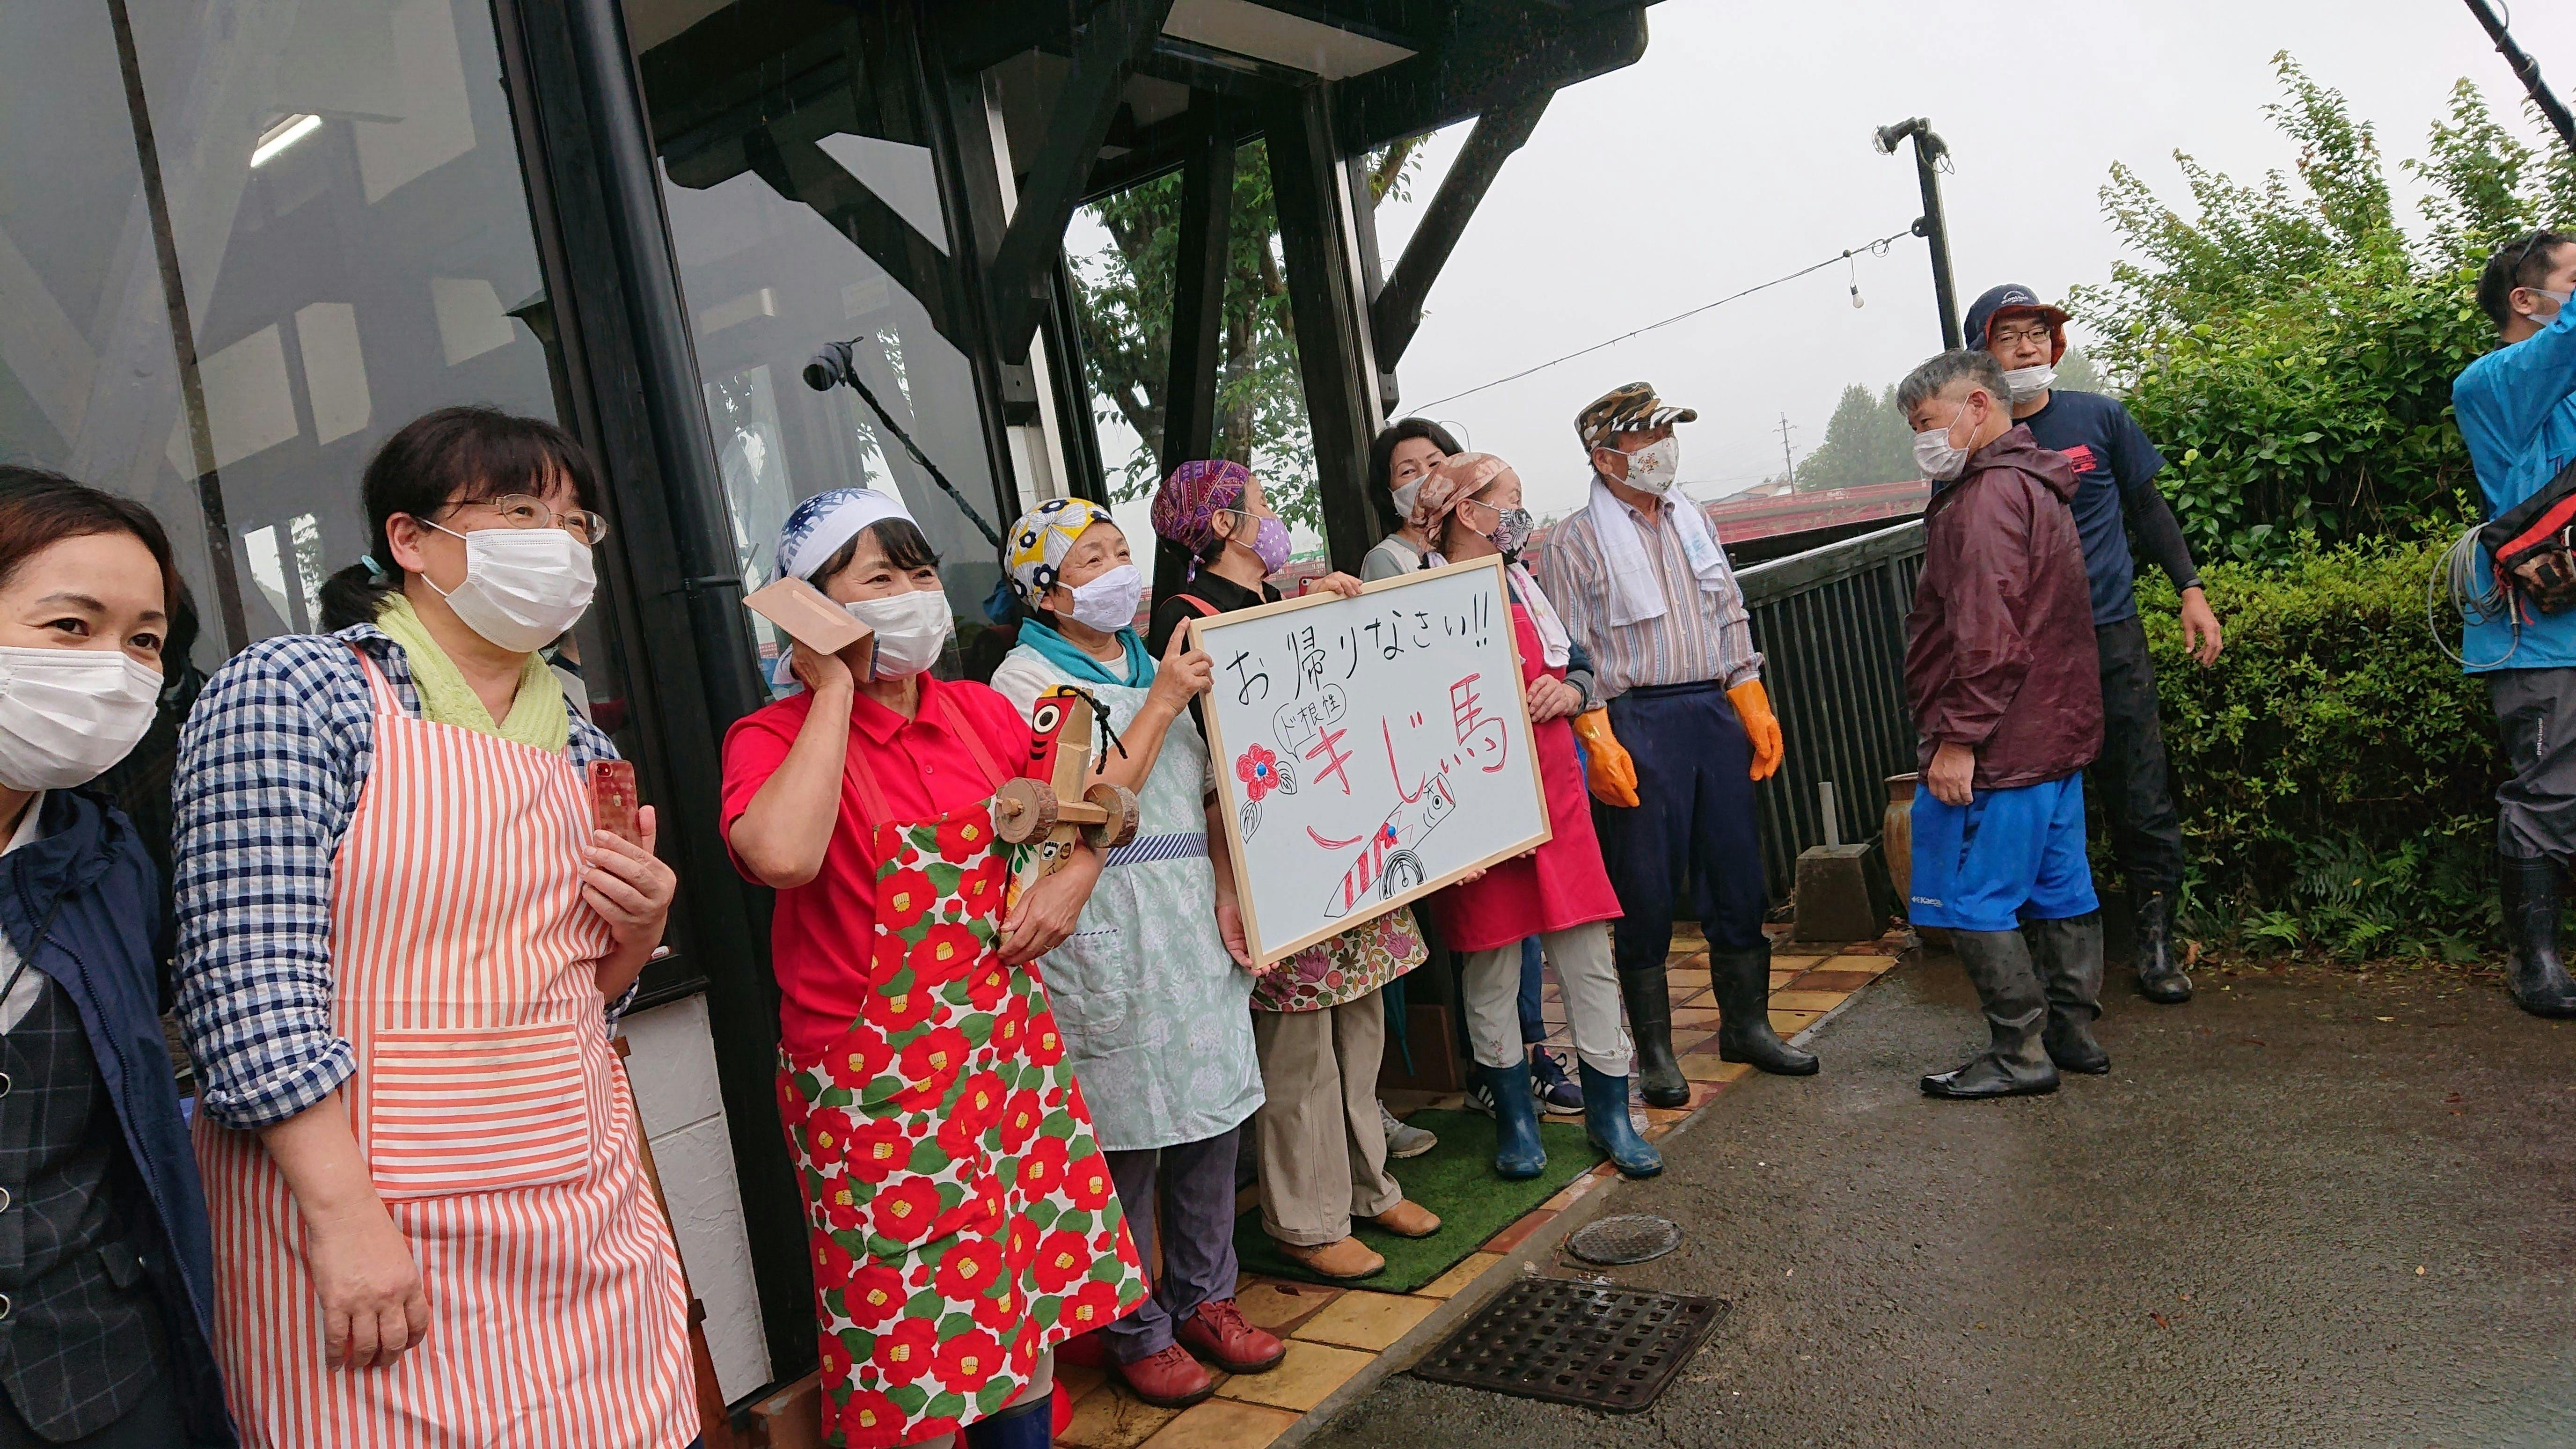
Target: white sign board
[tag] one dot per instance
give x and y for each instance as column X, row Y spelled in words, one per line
column 1370, row 750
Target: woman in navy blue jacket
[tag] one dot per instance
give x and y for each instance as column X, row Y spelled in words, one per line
column 106, row 1272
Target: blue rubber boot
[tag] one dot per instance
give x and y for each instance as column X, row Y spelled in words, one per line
column 1021, row 1426
column 1605, row 1121
column 1517, row 1152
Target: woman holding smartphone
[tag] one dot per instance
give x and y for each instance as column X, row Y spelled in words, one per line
column 399, row 935
column 963, row 1218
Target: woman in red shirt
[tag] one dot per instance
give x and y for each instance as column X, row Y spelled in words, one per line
column 946, row 1156
column 1470, row 508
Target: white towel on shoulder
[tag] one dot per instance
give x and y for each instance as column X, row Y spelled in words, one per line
column 1634, row 595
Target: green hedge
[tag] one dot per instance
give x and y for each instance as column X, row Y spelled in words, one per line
column 2336, row 769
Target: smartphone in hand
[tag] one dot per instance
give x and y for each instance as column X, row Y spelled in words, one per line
column 613, row 800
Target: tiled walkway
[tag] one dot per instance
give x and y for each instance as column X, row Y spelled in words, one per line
column 1334, row 1333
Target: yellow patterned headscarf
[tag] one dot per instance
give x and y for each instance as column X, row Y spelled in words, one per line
column 1042, row 537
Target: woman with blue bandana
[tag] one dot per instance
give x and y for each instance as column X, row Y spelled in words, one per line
column 1155, row 1010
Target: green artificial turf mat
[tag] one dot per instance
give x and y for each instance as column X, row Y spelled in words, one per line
column 1455, row 1180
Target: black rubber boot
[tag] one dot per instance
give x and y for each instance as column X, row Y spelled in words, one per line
column 2067, row 955
column 2534, row 972
column 1650, row 1021
column 2159, row 979
column 1743, row 986
column 2014, row 1064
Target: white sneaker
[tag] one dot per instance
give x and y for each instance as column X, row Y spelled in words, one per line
column 1403, row 1140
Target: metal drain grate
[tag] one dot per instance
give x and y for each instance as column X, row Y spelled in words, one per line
column 1575, row 1343
column 1628, row 1238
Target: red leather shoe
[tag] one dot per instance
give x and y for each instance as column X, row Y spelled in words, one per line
column 1220, row 1333
column 1168, row 1380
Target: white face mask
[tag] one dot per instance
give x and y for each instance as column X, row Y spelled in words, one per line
column 523, row 586
column 1405, row 494
column 1934, row 454
column 2557, row 304
column 1108, row 603
column 1655, row 467
column 2029, row 382
column 911, row 629
column 68, row 714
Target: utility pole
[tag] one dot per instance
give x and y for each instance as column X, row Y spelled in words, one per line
column 1929, row 151
column 2526, row 70
column 1788, row 466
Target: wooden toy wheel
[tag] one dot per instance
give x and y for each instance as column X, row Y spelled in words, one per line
column 1119, row 804
column 1024, row 810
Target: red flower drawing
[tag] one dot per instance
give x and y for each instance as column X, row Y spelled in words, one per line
column 1258, row 769
column 967, row 1269
column 903, row 1351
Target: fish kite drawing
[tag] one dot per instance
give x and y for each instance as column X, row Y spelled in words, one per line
column 1386, row 865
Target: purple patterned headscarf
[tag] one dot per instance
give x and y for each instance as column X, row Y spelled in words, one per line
column 1185, row 507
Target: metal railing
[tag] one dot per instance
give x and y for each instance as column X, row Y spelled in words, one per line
column 1831, row 627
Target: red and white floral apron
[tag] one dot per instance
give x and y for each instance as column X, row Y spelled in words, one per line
column 494, row 1119
column 962, row 1217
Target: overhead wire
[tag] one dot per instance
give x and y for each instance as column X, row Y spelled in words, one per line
column 1876, row 248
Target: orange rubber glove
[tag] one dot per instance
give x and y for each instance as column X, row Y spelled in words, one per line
column 1606, row 766
column 1753, row 706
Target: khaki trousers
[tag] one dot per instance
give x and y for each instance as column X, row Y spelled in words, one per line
column 1323, row 1151
column 1581, row 954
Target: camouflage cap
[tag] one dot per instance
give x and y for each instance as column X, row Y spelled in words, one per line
column 1630, row 409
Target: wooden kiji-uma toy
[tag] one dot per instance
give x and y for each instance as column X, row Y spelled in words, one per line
column 1069, row 801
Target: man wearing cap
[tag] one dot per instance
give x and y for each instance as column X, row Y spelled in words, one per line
column 2115, row 494
column 1643, row 585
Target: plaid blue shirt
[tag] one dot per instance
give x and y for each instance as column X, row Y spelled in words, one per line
column 270, row 763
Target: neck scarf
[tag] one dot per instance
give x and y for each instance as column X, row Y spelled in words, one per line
column 1077, row 661
column 1553, row 641
column 1634, row 597
column 537, row 714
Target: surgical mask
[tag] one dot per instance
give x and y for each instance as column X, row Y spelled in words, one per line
column 1511, row 532
column 2557, row 300
column 2027, row 383
column 68, row 714
column 523, row 586
column 1108, row 603
column 911, row 629
column 1933, row 453
column 1656, row 466
column 1405, row 495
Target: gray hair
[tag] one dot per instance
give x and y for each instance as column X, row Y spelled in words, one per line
column 1946, row 370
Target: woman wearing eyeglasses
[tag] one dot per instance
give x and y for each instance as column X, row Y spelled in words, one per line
column 399, row 935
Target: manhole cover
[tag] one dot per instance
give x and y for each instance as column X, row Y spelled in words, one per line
column 1631, row 1238
column 1575, row 1343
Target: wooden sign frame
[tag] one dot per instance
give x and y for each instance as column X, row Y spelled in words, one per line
column 1230, row 789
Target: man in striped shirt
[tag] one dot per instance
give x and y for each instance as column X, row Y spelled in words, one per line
column 1644, row 586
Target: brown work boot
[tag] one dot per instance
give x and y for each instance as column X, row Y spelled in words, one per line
column 1219, row 1333
column 1170, row 1379
column 1341, row 1261
column 1408, row 1219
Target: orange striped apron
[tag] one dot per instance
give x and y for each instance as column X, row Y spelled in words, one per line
column 495, row 1120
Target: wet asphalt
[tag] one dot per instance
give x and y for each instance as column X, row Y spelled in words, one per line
column 2307, row 1208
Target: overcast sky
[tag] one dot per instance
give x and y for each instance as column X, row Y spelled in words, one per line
column 1739, row 149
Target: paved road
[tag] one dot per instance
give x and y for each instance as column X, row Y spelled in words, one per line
column 2309, row 1209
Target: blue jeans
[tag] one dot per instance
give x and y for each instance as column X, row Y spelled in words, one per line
column 1533, row 1020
